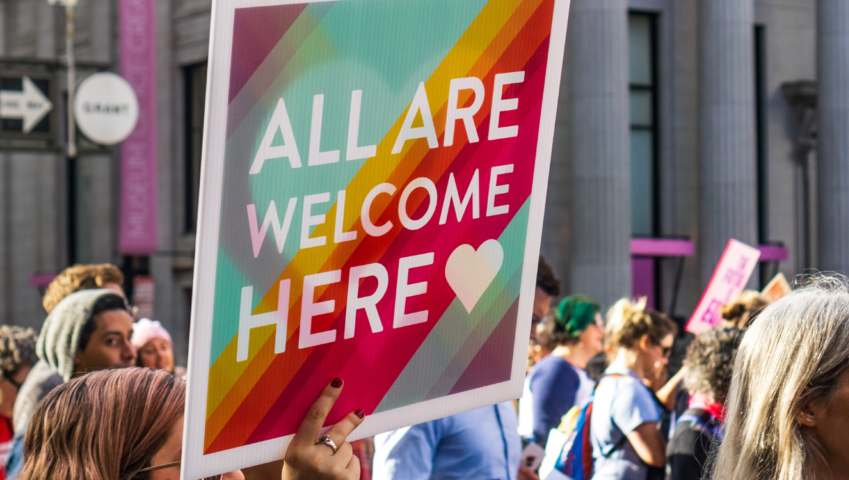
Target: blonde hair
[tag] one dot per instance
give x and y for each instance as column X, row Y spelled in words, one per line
column 744, row 309
column 79, row 277
column 106, row 425
column 627, row 322
column 790, row 356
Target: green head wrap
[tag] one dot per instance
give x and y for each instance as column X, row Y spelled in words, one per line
column 575, row 313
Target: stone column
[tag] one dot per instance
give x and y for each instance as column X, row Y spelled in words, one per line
column 600, row 183
column 833, row 155
column 727, row 140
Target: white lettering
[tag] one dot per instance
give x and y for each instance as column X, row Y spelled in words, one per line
column 452, row 196
column 368, row 303
column 338, row 235
column 421, row 182
column 404, row 290
column 365, row 215
column 309, row 220
column 419, row 104
column 501, row 105
column 279, row 121
column 495, row 189
column 317, row 157
column 466, row 114
column 310, row 309
column 247, row 322
column 271, row 217
column 354, row 152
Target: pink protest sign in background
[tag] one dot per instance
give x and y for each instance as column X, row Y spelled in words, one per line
column 733, row 271
column 138, row 152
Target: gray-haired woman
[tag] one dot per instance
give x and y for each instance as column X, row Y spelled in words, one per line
column 788, row 408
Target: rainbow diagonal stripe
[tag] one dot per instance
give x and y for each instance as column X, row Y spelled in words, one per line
column 384, row 48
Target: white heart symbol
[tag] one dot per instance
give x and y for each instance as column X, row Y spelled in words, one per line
column 470, row 272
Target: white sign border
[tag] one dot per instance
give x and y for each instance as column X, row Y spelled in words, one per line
column 195, row 464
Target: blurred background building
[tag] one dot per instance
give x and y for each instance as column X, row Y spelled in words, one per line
column 681, row 124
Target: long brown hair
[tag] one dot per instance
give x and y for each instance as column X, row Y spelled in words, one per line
column 106, row 425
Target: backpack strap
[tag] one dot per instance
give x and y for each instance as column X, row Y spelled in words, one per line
column 606, row 375
column 621, row 442
column 616, row 446
column 702, row 419
column 695, row 415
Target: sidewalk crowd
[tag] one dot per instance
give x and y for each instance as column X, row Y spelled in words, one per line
column 762, row 396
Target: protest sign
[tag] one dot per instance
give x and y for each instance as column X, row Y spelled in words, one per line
column 374, row 177
column 777, row 288
column 736, row 265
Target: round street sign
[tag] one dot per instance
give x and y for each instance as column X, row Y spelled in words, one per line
column 106, row 108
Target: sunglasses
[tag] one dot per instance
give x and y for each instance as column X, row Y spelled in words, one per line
column 665, row 350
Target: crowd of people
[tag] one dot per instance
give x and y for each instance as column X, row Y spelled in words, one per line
column 649, row 416
column 96, row 396
column 763, row 396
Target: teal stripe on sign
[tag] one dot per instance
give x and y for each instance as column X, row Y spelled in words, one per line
column 456, row 326
column 229, row 283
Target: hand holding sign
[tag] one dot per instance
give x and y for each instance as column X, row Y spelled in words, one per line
column 306, row 459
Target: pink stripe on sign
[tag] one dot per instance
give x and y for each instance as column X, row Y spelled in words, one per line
column 139, row 206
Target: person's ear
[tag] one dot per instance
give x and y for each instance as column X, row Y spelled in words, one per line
column 78, row 360
column 644, row 343
column 808, row 414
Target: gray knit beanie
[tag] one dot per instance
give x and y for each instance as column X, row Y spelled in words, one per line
column 60, row 335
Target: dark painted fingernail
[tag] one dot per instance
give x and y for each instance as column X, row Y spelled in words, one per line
column 360, row 413
column 336, row 383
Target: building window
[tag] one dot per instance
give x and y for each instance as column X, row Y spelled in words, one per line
column 642, row 77
column 195, row 76
column 760, row 128
column 770, row 268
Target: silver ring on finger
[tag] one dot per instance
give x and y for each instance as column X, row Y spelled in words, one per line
column 325, row 440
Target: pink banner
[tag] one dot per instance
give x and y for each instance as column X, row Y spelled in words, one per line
column 736, row 265
column 138, row 152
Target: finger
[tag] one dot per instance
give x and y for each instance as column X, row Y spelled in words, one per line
column 339, row 432
column 344, row 453
column 354, row 467
column 311, row 425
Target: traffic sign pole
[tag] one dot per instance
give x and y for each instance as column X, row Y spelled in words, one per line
column 69, row 51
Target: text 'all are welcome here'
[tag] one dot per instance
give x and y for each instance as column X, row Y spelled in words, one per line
column 456, row 117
